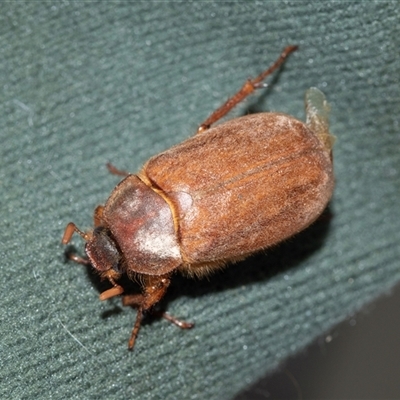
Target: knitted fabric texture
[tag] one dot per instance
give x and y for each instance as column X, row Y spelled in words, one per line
column 84, row 83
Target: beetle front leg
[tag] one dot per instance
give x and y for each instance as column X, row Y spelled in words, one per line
column 78, row 259
column 70, row 229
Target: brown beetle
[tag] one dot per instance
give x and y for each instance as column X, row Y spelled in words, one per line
column 225, row 193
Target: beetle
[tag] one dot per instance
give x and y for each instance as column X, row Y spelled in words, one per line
column 221, row 195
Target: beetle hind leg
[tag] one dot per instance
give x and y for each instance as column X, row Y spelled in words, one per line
column 116, row 171
column 248, row 88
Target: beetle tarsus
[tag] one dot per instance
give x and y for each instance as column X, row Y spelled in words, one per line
column 135, row 329
column 181, row 324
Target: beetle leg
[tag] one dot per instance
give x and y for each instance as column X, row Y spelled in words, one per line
column 116, row 290
column 154, row 289
column 178, row 322
column 78, row 259
column 69, row 231
column 98, row 216
column 132, row 300
column 248, row 88
column 115, row 171
column 136, row 327
column 137, row 301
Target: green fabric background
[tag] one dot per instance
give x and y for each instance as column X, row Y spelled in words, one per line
column 83, row 83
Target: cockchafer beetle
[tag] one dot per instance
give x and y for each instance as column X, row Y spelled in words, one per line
column 229, row 191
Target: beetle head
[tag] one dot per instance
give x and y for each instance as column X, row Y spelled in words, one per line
column 103, row 252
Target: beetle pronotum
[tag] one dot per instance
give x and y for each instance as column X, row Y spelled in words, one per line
column 227, row 192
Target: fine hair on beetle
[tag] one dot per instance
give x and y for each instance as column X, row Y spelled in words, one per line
column 227, row 192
